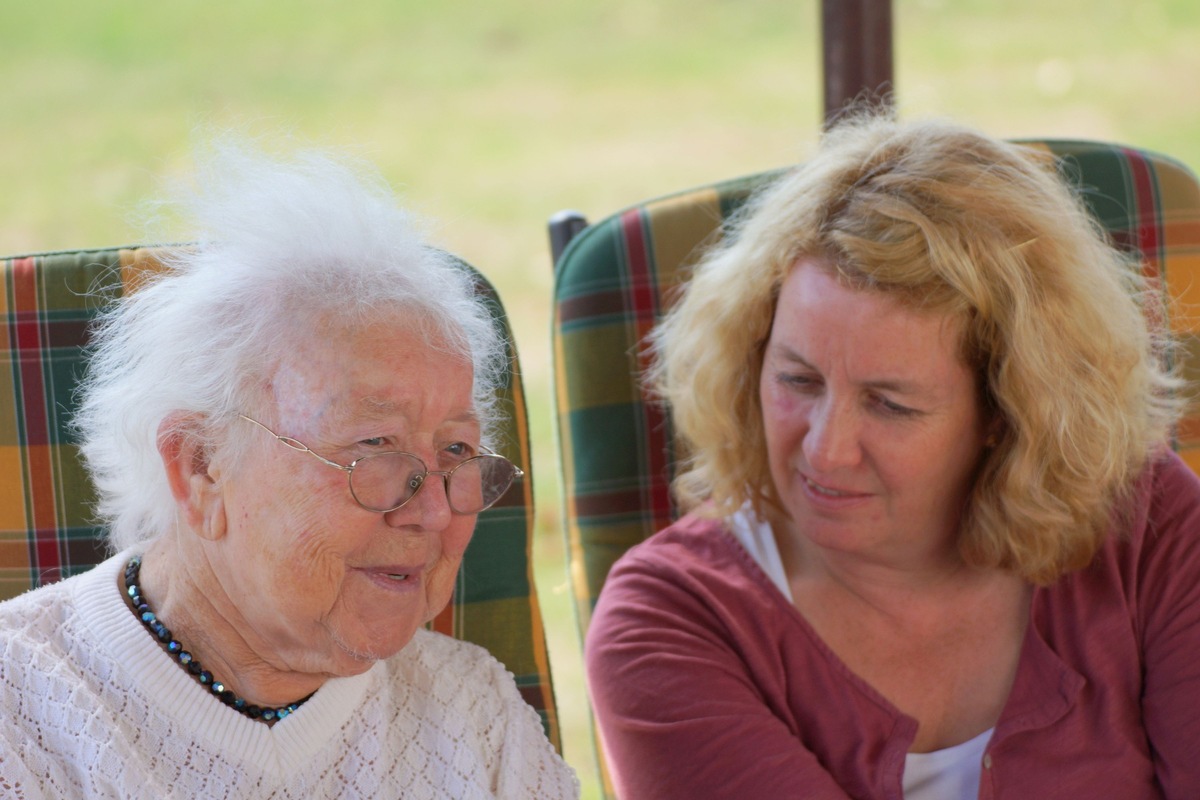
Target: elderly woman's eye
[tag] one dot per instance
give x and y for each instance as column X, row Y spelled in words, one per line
column 374, row 441
column 459, row 451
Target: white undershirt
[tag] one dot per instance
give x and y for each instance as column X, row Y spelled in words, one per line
column 949, row 774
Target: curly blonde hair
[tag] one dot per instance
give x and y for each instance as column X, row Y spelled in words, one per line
column 983, row 231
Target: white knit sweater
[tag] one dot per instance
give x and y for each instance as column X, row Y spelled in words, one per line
column 92, row 707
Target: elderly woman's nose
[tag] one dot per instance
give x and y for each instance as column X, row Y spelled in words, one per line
column 429, row 508
column 833, row 439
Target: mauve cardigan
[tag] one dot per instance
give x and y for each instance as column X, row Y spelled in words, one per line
column 708, row 683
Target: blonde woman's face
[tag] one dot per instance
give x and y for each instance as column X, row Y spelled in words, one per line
column 873, row 423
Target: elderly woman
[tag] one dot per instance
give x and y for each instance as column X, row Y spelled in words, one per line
column 938, row 546
column 288, row 433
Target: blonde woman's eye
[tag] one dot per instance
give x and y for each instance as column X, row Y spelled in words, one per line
column 895, row 409
column 799, row 382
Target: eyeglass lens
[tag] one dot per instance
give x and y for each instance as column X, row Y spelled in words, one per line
column 388, row 480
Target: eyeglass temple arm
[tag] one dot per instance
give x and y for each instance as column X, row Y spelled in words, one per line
column 303, row 448
column 487, row 451
column 297, row 445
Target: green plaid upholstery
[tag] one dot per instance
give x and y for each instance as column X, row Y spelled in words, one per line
column 47, row 301
column 613, row 282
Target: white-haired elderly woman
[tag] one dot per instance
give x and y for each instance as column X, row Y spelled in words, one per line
column 286, row 430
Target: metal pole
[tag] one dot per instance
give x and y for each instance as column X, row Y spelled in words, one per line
column 856, row 39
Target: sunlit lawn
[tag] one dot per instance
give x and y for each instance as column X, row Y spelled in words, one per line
column 489, row 117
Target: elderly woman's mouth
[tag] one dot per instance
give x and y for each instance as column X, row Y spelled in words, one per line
column 393, row 578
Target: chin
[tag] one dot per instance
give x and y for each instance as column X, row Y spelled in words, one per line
column 358, row 657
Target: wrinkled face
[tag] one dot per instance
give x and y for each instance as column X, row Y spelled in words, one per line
column 873, row 423
column 329, row 586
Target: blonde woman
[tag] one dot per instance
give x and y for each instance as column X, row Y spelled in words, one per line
column 938, row 546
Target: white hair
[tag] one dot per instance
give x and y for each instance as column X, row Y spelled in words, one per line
column 281, row 248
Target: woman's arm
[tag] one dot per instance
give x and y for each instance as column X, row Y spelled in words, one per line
column 679, row 711
column 1169, row 616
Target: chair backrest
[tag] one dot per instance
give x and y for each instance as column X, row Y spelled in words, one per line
column 46, row 531
column 614, row 278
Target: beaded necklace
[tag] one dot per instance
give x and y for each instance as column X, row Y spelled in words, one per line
column 141, row 609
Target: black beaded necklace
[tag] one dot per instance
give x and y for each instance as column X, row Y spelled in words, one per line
column 141, row 610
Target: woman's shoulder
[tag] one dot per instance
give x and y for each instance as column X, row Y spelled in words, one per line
column 1159, row 530
column 443, row 668
column 696, row 540
column 698, row 549
column 1148, row 569
column 695, row 568
column 37, row 616
column 1172, row 489
column 437, row 650
column 1160, row 558
column 439, row 686
column 48, row 672
column 54, row 618
column 453, row 700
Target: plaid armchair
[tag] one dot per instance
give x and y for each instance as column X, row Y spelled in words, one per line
column 47, row 533
column 613, row 279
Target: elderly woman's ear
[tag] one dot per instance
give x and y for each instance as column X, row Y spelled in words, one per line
column 192, row 475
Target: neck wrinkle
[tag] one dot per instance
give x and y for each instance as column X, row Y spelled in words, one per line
column 198, row 619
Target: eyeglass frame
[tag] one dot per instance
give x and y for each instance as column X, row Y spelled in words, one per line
column 300, row 447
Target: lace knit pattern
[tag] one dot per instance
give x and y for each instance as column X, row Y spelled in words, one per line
column 91, row 711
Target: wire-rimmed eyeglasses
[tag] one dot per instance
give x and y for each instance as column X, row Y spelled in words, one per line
column 383, row 482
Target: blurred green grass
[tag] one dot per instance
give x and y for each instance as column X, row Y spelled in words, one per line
column 490, row 117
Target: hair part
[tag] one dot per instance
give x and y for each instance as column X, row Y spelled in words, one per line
column 951, row 221
column 282, row 248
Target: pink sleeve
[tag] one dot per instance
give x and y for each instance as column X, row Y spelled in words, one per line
column 679, row 715
column 1169, row 617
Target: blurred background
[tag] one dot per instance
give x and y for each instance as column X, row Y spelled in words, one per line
column 488, row 117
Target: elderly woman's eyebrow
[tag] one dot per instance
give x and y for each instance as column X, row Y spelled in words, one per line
column 371, row 409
